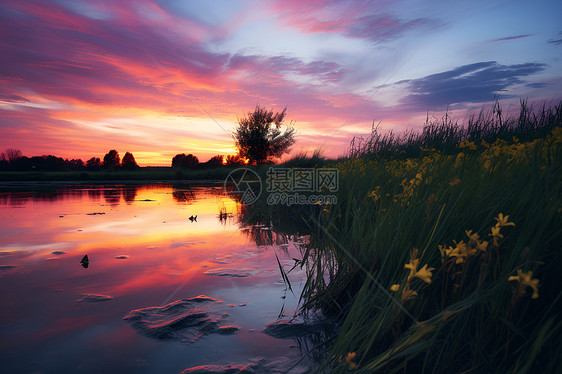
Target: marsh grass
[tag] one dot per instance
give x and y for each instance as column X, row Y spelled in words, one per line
column 445, row 133
column 392, row 210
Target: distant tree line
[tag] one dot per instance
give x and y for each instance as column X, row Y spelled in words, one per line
column 259, row 139
column 13, row 159
column 190, row 161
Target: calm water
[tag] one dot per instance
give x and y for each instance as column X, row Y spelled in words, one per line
column 144, row 252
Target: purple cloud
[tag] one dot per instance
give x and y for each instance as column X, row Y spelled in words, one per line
column 512, row 38
column 476, row 83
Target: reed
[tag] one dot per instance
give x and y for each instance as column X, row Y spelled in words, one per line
column 420, row 261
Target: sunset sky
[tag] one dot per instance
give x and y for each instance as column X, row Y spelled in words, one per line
column 161, row 77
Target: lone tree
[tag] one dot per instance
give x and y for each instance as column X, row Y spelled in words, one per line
column 12, row 154
column 128, row 161
column 111, row 159
column 259, row 137
column 183, row 161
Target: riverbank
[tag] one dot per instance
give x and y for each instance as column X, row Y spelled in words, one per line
column 141, row 174
column 444, row 263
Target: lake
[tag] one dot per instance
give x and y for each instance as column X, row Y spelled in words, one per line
column 160, row 293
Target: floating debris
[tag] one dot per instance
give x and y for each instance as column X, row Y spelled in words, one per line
column 237, row 273
column 185, row 320
column 94, row 298
column 95, row 214
column 122, row 257
column 85, row 262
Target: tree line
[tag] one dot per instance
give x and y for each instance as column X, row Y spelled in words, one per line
column 259, row 139
column 13, row 159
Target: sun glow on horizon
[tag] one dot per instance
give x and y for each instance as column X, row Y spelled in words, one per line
column 157, row 78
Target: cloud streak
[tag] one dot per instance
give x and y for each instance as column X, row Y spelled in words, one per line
column 512, row 38
column 474, row 83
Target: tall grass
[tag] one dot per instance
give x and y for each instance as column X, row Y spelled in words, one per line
column 466, row 315
column 445, row 133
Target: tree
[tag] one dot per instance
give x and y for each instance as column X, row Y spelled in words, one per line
column 93, row 163
column 75, row 164
column 259, row 137
column 111, row 159
column 12, row 154
column 215, row 161
column 183, row 161
column 128, row 161
column 232, row 160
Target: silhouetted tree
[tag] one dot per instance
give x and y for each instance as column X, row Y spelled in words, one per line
column 233, row 160
column 93, row 163
column 215, row 161
column 46, row 162
column 12, row 154
column 75, row 164
column 3, row 161
column 111, row 159
column 22, row 163
column 184, row 161
column 259, row 137
column 128, row 161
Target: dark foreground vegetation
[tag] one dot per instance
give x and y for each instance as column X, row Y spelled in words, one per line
column 442, row 254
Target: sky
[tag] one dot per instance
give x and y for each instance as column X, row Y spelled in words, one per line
column 162, row 77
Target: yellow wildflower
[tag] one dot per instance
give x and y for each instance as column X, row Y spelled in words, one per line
column 395, row 287
column 454, row 181
column 525, row 279
column 445, row 252
column 349, row 359
column 472, row 238
column 459, row 160
column 467, row 144
column 375, row 194
column 413, row 267
column 502, row 221
column 461, row 252
column 496, row 234
column 424, row 274
column 482, row 246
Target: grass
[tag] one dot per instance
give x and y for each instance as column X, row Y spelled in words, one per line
column 468, row 303
column 445, row 134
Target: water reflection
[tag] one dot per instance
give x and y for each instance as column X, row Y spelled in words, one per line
column 142, row 251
